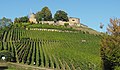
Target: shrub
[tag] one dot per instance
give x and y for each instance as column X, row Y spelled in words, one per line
column 8, row 55
column 66, row 24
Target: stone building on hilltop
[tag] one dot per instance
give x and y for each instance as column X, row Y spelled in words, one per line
column 32, row 18
column 72, row 21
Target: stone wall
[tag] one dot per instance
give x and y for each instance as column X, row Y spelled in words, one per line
column 61, row 22
column 74, row 20
column 47, row 22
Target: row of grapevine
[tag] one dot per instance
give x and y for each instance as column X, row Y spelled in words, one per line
column 51, row 49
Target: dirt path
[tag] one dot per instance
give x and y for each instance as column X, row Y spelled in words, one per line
column 28, row 66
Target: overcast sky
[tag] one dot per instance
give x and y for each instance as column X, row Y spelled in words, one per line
column 90, row 12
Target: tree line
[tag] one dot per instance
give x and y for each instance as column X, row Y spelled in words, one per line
column 45, row 15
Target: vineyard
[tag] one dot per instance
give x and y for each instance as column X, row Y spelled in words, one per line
column 54, row 50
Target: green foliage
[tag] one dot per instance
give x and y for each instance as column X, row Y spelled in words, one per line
column 61, row 15
column 21, row 19
column 66, row 24
column 8, row 55
column 50, row 49
column 45, row 15
column 16, row 20
column 38, row 16
column 110, row 46
column 5, row 22
column 24, row 19
column 117, row 68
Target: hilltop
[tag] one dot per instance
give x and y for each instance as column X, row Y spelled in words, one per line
column 59, row 28
column 61, row 21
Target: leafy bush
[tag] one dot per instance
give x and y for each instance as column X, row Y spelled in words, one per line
column 8, row 55
column 66, row 24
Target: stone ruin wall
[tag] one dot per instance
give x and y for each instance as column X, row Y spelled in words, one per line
column 72, row 21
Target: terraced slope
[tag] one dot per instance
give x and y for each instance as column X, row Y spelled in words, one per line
column 55, row 50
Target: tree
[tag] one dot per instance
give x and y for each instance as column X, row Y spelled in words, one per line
column 5, row 22
column 24, row 19
column 16, row 20
column 61, row 15
column 21, row 19
column 8, row 55
column 45, row 14
column 38, row 16
column 110, row 46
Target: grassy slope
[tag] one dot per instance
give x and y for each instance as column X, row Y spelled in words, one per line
column 69, row 46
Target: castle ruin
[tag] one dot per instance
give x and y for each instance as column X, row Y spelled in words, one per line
column 72, row 21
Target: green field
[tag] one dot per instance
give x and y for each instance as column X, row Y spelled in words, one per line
column 55, row 50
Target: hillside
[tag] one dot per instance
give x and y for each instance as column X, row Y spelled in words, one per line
column 60, row 27
column 52, row 49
